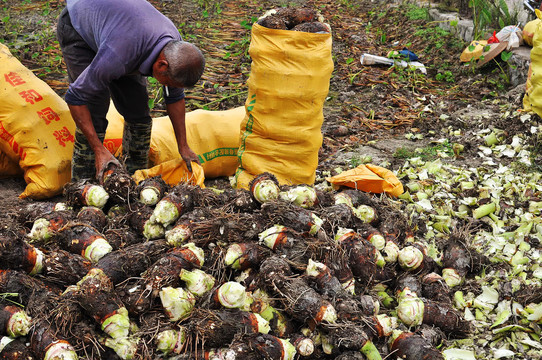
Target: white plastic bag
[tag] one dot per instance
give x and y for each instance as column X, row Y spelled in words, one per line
column 512, row 34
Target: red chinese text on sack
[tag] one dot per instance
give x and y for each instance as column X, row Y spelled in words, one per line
column 64, row 135
column 8, row 138
column 31, row 96
column 48, row 115
column 14, row 79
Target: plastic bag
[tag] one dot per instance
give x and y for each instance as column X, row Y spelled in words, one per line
column 173, row 172
column 369, row 178
column 512, row 34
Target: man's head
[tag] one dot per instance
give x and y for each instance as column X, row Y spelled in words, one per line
column 180, row 64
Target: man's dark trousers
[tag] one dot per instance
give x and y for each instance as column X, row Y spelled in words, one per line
column 129, row 94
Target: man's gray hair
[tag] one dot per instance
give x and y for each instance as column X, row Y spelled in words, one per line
column 186, row 62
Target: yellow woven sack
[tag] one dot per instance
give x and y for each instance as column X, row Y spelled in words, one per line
column 8, row 168
column 369, row 178
column 532, row 101
column 115, row 128
column 173, row 172
column 287, row 87
column 528, row 88
column 36, row 128
column 212, row 135
column 529, row 30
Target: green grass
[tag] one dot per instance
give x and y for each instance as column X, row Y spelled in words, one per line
column 416, row 13
column 427, row 153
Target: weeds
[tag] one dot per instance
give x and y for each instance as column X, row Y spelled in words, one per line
column 416, row 13
column 490, row 15
column 357, row 160
column 446, row 76
column 240, row 47
column 427, row 153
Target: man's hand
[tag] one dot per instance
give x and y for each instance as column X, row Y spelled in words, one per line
column 189, row 156
column 105, row 161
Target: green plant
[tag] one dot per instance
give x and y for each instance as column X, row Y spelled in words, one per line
column 416, row 13
column 155, row 92
column 446, row 76
column 355, row 161
column 381, row 36
column 349, row 4
column 490, row 15
column 427, row 153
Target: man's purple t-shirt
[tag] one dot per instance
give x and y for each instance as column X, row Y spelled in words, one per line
column 127, row 36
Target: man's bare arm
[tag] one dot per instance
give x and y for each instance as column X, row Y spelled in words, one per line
column 176, row 112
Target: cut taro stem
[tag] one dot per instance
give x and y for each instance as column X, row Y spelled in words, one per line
column 149, row 196
column 410, row 258
column 95, row 195
column 243, row 256
column 172, row 206
column 231, row 295
column 152, row 190
column 165, row 212
column 198, row 282
column 264, row 187
column 60, row 350
column 316, row 224
column 377, row 239
column 385, row 324
column 410, row 311
column 44, row 228
column 452, row 277
column 97, row 249
column 125, row 348
column 302, row 195
column 178, row 303
column 303, row 345
column 171, row 341
column 152, row 231
column 391, row 252
column 40, row 230
column 178, row 235
column 18, row 322
column 365, row 213
column 274, row 236
column 118, row 324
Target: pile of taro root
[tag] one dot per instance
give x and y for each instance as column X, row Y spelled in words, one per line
column 294, row 19
column 151, row 271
